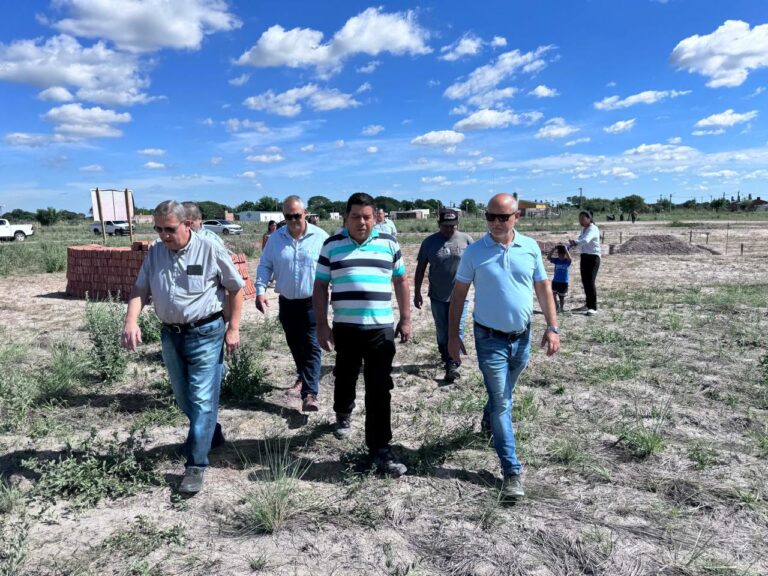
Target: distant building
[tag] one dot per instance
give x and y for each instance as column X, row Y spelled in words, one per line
column 258, row 216
column 418, row 214
column 530, row 209
column 143, row 219
column 334, row 216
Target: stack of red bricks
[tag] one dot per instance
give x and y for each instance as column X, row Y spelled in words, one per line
column 100, row 272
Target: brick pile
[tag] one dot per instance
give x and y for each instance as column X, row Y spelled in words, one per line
column 100, row 272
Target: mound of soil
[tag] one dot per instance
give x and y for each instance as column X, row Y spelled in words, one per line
column 660, row 244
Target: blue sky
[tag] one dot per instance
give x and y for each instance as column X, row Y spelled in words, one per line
column 231, row 101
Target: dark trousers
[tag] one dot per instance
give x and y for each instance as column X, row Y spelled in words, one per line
column 298, row 320
column 375, row 348
column 589, row 266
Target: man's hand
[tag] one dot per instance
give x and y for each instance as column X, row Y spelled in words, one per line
column 403, row 329
column 418, row 300
column 232, row 339
column 131, row 336
column 456, row 349
column 262, row 303
column 551, row 342
column 325, row 337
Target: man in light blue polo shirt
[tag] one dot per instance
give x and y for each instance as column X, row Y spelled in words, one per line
column 384, row 225
column 291, row 256
column 506, row 269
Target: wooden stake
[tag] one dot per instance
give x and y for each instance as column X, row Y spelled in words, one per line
column 101, row 217
column 128, row 215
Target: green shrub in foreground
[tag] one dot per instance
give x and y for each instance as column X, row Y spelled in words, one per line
column 104, row 321
column 245, row 380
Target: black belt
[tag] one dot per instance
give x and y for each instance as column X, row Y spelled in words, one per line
column 282, row 298
column 511, row 336
column 179, row 328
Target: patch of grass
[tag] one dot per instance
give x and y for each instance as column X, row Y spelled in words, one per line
column 10, row 496
column 640, row 441
column 525, row 407
column 168, row 415
column 144, row 537
column 436, row 446
column 266, row 333
column 626, row 369
column 93, row 471
column 54, row 257
column 13, row 547
column 568, row 451
column 104, row 321
column 276, row 499
column 18, row 394
column 761, row 441
column 245, row 381
column 68, row 368
column 702, row 456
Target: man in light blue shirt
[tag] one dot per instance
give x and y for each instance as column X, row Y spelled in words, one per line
column 384, row 225
column 291, row 256
column 506, row 269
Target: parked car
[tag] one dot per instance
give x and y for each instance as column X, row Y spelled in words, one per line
column 18, row 232
column 223, row 227
column 112, row 227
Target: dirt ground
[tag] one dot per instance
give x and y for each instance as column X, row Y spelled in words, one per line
column 674, row 355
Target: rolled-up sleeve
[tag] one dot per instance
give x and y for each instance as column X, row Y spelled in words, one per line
column 141, row 286
column 228, row 274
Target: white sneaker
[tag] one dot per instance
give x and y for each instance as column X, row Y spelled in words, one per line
column 579, row 309
column 590, row 312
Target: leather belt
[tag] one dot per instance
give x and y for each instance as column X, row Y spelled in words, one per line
column 510, row 336
column 179, row 328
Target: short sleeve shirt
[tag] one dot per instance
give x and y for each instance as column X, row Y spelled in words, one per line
column 503, row 277
column 443, row 256
column 562, row 272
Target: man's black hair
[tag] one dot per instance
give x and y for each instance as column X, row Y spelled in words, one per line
column 359, row 199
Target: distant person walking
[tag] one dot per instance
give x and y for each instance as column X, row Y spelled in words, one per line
column 441, row 252
column 633, row 215
column 506, row 269
column 195, row 218
column 291, row 257
column 360, row 265
column 271, row 227
column 384, row 224
column 589, row 263
column 560, row 280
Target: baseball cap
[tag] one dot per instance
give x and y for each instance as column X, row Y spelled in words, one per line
column 448, row 216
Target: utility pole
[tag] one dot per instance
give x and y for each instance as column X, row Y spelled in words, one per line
column 581, row 198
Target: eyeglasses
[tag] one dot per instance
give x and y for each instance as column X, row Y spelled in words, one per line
column 166, row 229
column 490, row 217
column 293, row 216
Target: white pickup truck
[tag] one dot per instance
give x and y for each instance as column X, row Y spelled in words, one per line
column 18, row 232
column 112, row 227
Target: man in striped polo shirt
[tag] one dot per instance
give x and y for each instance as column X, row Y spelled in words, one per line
column 360, row 265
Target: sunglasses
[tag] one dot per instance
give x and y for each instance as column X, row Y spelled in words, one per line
column 166, row 229
column 293, row 216
column 490, row 217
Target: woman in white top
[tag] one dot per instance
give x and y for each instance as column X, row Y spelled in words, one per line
column 589, row 240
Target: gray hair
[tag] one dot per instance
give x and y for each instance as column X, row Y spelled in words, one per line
column 193, row 212
column 170, row 208
column 291, row 199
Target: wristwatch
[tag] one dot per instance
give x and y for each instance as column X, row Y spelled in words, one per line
column 554, row 329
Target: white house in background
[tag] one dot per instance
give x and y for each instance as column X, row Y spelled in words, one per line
column 418, row 214
column 334, row 216
column 258, row 216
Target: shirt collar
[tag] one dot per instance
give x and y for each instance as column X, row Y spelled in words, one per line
column 490, row 242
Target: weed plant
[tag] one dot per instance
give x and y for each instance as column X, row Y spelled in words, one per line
column 68, row 368
column 245, row 381
column 104, row 321
column 54, row 257
column 150, row 326
column 144, row 537
column 702, row 456
column 10, row 497
column 18, row 394
column 13, row 546
column 641, row 441
column 93, row 471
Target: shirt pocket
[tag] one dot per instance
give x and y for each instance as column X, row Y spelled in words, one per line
column 195, row 284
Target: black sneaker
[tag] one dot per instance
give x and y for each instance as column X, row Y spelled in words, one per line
column 343, row 428
column 452, row 372
column 218, row 439
column 386, row 463
column 512, row 487
column 192, row 482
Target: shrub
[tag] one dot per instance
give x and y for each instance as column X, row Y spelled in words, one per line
column 245, row 380
column 68, row 368
column 54, row 257
column 85, row 475
column 105, row 328
column 13, row 547
column 18, row 393
column 10, row 497
column 150, row 326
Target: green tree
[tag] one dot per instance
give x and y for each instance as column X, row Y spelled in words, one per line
column 389, row 204
column 632, row 202
column 317, row 202
column 19, row 215
column 212, row 209
column 47, row 216
column 247, row 206
column 269, row 204
column 468, row 205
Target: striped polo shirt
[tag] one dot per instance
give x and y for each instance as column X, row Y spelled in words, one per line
column 360, row 276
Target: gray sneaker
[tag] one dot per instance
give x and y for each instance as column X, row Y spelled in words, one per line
column 512, row 487
column 192, row 482
column 386, row 463
column 343, row 428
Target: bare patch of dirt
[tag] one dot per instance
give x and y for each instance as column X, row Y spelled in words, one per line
column 658, row 244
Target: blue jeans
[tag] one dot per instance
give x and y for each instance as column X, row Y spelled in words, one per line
column 501, row 362
column 194, row 359
column 440, row 315
column 298, row 320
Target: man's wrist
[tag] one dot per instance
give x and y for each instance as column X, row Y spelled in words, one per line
column 553, row 328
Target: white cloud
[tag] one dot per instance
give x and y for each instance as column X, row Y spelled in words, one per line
column 154, row 165
column 248, row 174
column 237, row 125
column 439, row 138
column 369, row 68
column 555, row 128
column 147, row 25
column 216, row 160
column 56, row 94
column 542, row 91
column 240, row 80
column 458, row 110
column 577, row 141
column 273, row 150
column 433, row 82
column 92, row 168
column 487, row 77
column 266, row 158
column 339, row 144
column 439, row 180
column 467, row 45
column 74, row 122
column 97, row 74
column 208, row 122
column 708, row 132
column 662, row 152
column 611, row 84
column 674, row 140
column 727, row 55
column 757, row 91
column 620, row 126
column 619, row 172
column 151, row 152
column 372, row 149
column 645, row 97
column 724, row 174
column 484, row 119
column 498, row 42
column 364, row 87
column 726, row 119
column 371, row 32
column 492, row 97
column 27, row 139
column 288, row 103
column 373, row 129
column 308, row 148
column 474, row 153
